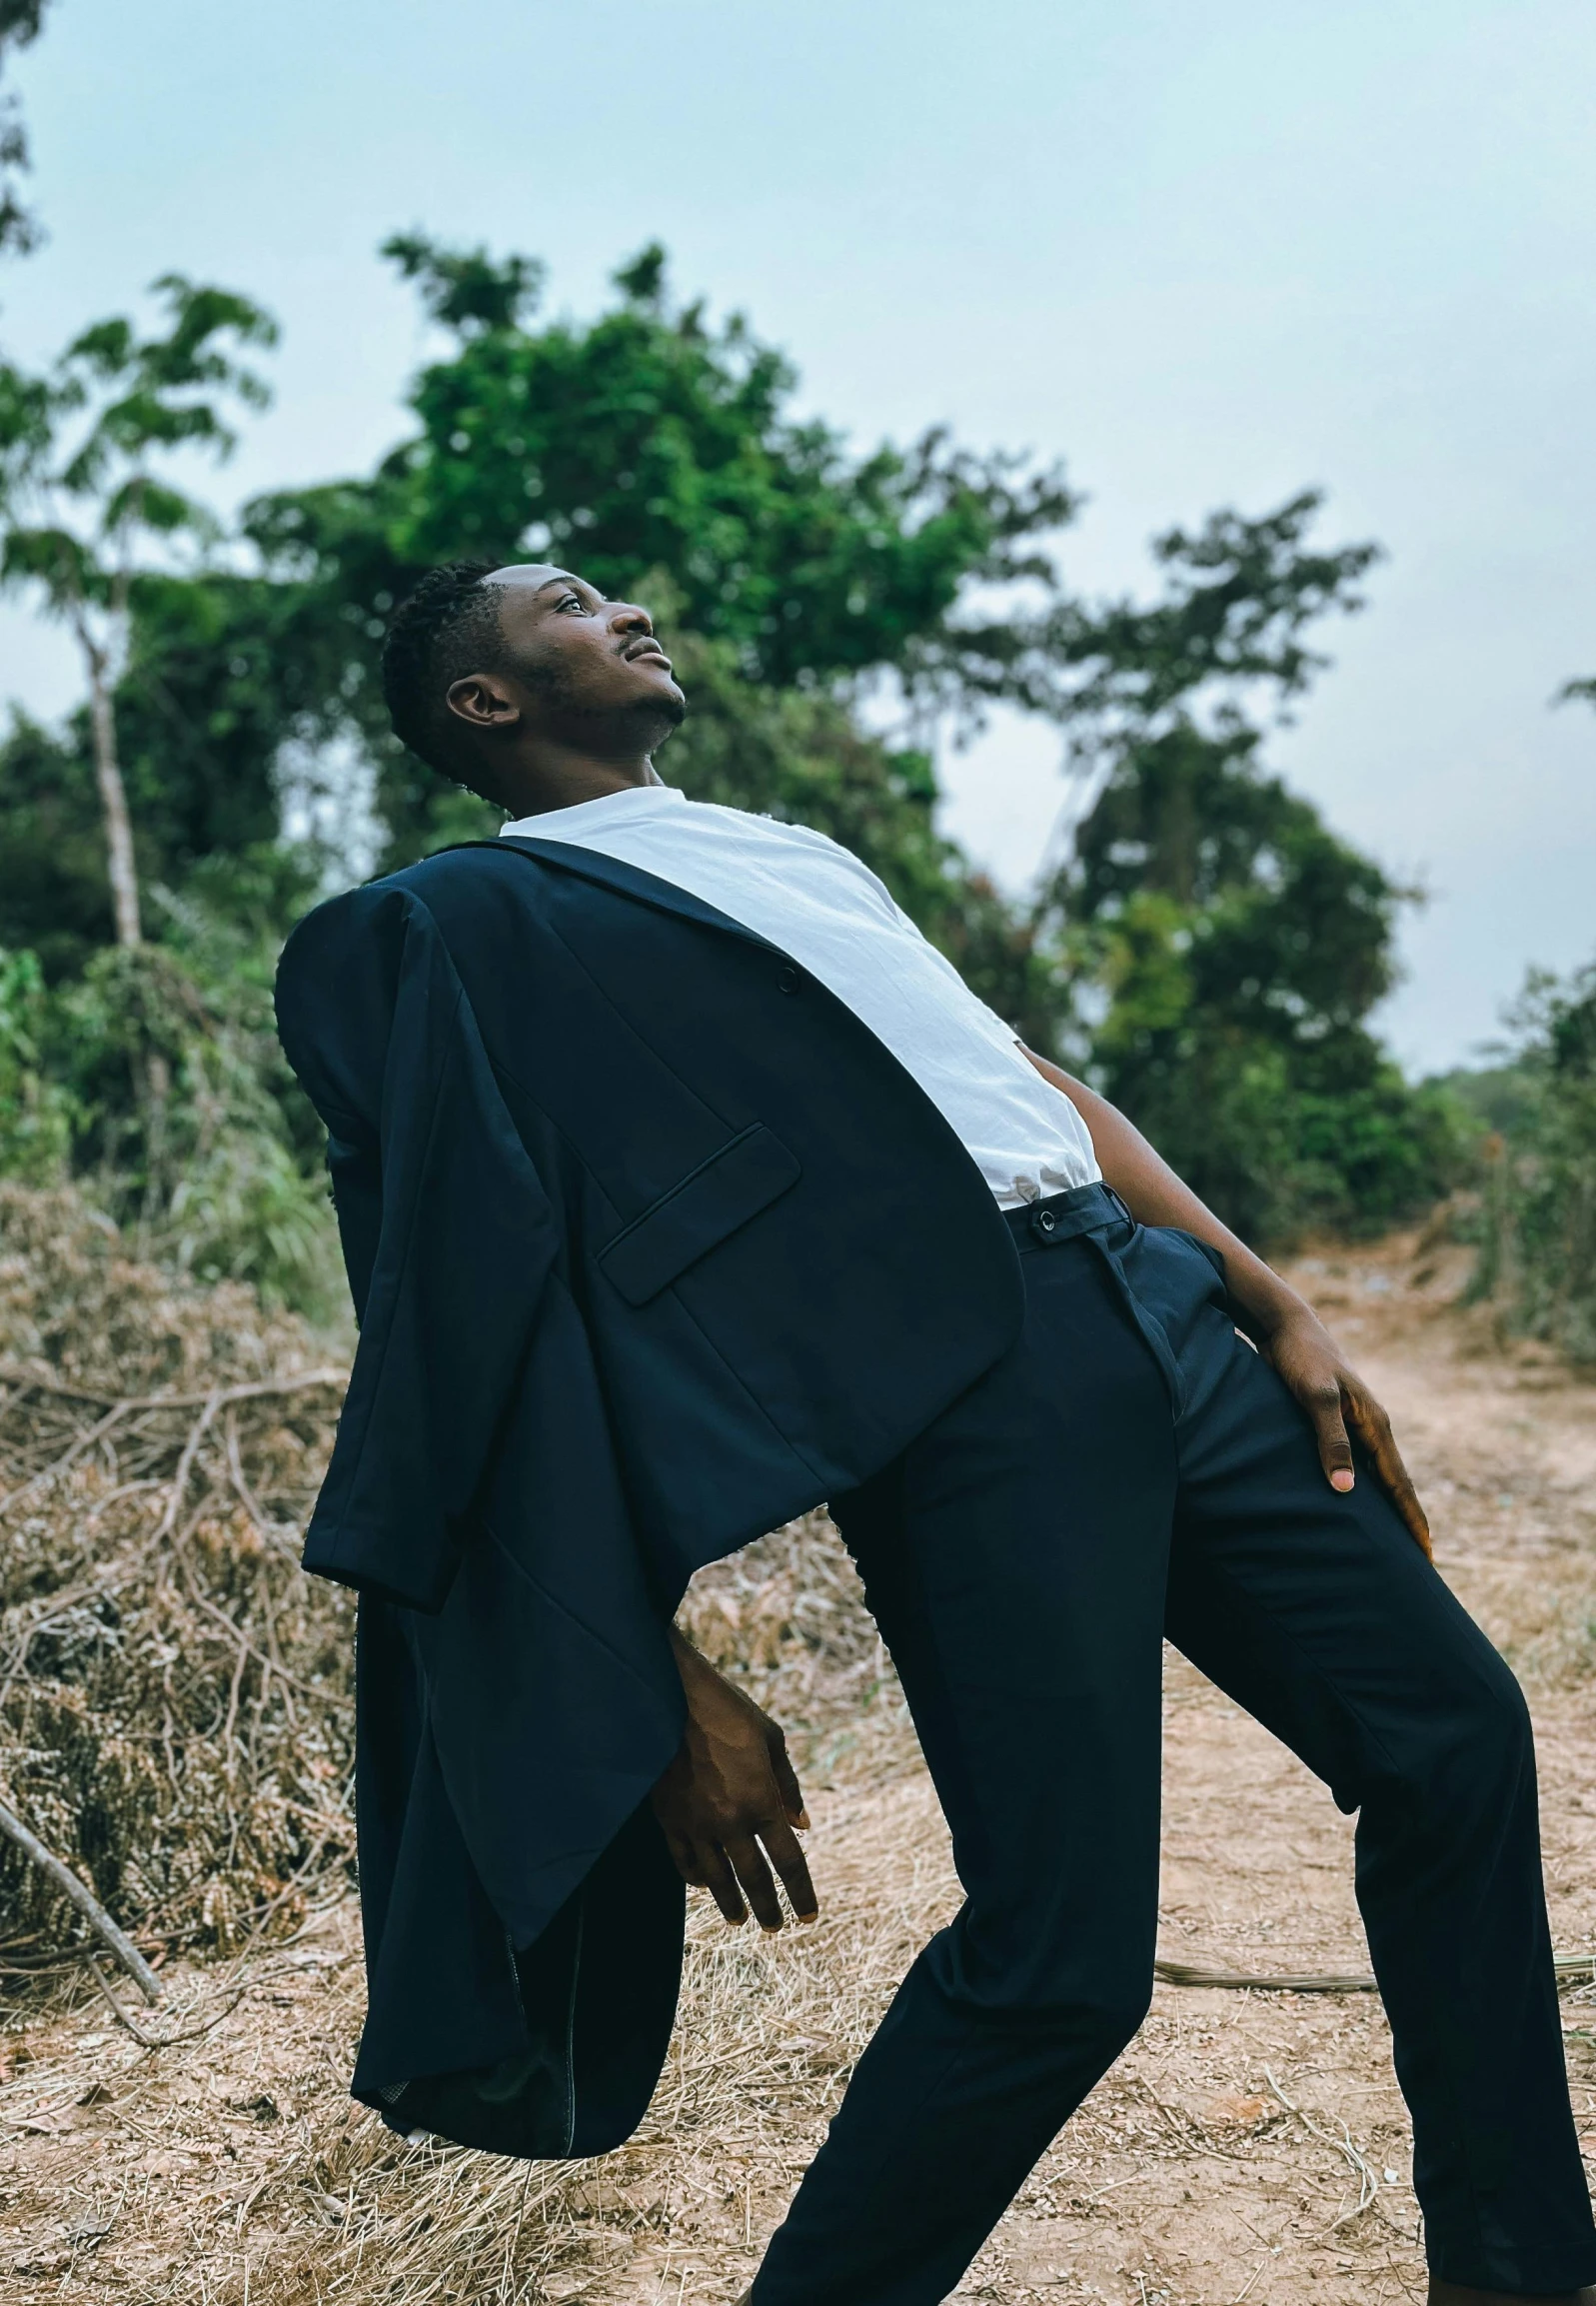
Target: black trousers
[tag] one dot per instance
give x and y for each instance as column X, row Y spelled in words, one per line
column 1133, row 1468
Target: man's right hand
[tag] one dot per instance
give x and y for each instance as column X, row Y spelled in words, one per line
column 730, row 1789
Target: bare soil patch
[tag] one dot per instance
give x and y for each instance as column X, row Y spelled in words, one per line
column 1249, row 2146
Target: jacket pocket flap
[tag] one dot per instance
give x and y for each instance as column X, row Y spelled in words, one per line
column 699, row 1212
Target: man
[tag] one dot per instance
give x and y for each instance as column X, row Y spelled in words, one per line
column 683, row 1185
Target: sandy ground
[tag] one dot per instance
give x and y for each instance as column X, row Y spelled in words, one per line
column 1249, row 2146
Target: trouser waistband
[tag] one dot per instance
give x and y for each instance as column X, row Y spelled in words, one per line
column 1090, row 1209
column 1095, row 1212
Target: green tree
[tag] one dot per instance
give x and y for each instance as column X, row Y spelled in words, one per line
column 84, row 501
column 650, row 440
column 1225, row 946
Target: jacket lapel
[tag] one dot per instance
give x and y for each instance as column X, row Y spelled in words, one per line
column 630, row 880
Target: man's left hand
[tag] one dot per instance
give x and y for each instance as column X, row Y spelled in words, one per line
column 1340, row 1404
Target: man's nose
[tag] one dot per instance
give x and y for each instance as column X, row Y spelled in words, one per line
column 627, row 616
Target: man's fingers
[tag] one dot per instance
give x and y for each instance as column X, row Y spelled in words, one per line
column 718, row 1878
column 1374, row 1429
column 684, row 1858
column 753, row 1878
column 787, row 1860
column 1323, row 1405
column 786, row 1785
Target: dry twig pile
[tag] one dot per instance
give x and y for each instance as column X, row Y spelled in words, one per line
column 175, row 1697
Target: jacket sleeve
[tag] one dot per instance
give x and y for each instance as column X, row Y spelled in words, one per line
column 448, row 1234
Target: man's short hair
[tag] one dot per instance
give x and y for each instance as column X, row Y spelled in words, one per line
column 448, row 627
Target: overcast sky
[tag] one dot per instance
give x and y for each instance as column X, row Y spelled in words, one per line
column 1207, row 255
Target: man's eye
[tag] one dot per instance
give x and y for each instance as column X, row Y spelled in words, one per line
column 571, row 602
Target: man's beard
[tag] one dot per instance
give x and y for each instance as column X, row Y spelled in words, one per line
column 654, row 718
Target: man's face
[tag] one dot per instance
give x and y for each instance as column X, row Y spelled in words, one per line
column 580, row 655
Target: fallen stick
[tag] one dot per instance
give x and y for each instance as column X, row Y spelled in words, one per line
column 144, row 2040
column 158, row 2041
column 1309, row 1983
column 259, row 1389
column 127, row 1953
column 1322, row 1981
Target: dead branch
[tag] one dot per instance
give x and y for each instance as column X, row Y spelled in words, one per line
column 1309, row 1983
column 258, row 1389
column 1567, row 1967
column 158, row 2041
column 127, row 1953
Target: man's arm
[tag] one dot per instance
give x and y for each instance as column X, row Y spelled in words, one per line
column 1282, row 1326
column 729, row 1790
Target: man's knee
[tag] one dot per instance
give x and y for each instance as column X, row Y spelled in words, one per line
column 1490, row 1744
column 1090, row 2027
column 1114, row 2021
column 1469, row 1753
column 1067, row 2000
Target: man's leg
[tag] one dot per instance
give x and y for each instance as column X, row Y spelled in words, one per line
column 1319, row 1615
column 1015, row 1559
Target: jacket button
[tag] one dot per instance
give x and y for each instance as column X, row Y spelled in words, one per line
column 788, row 981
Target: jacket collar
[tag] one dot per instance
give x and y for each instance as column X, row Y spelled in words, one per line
column 630, row 880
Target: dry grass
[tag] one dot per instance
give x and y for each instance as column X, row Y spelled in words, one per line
column 1247, row 2146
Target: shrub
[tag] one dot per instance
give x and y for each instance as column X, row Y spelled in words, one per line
column 1538, row 1252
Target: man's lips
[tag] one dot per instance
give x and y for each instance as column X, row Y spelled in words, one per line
column 646, row 650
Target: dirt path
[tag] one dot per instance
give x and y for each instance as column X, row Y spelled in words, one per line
column 1249, row 2146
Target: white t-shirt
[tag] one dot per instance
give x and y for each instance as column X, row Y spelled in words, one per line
column 828, row 911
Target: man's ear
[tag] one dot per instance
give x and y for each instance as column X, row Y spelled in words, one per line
column 483, row 701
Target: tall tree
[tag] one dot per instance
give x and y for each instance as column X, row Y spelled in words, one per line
column 84, row 501
column 1226, row 945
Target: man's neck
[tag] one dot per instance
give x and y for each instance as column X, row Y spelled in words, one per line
column 560, row 779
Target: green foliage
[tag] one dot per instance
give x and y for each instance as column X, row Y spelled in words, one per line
column 221, row 1173
column 1498, row 1099
column 53, row 899
column 82, row 439
column 202, row 710
column 154, row 1076
column 1538, row 1255
column 35, row 1111
column 649, row 439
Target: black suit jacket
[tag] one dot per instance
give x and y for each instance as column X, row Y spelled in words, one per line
column 653, row 1246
